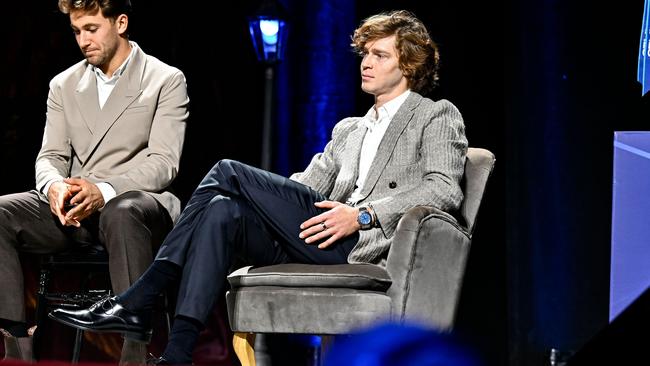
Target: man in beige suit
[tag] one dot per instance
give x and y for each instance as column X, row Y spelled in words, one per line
column 113, row 138
column 407, row 150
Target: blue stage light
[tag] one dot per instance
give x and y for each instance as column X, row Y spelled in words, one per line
column 268, row 30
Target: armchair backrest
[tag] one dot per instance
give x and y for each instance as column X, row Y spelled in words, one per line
column 478, row 167
column 427, row 258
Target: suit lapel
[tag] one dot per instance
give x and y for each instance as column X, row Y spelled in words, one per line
column 126, row 91
column 397, row 125
column 87, row 99
column 350, row 157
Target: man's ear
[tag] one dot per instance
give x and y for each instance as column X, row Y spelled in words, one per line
column 122, row 22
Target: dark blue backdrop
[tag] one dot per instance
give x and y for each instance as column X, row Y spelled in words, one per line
column 316, row 83
column 541, row 83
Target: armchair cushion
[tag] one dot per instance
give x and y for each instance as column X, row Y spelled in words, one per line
column 351, row 276
column 307, row 310
column 292, row 298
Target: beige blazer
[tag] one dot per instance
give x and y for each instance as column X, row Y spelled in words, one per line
column 133, row 143
column 420, row 161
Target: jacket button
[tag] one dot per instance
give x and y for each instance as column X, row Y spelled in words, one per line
column 392, row 185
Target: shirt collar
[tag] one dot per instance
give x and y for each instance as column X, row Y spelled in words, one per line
column 387, row 110
column 119, row 71
column 393, row 105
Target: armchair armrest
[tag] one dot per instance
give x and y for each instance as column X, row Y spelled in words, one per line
column 426, row 263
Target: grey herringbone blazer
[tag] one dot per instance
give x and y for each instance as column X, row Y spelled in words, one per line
column 420, row 161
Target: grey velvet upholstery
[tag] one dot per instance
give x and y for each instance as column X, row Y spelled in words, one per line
column 362, row 276
column 421, row 281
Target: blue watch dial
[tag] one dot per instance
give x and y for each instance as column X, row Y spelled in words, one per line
column 365, row 218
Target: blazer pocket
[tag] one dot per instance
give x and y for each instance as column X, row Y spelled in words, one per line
column 404, row 156
column 137, row 109
column 406, row 151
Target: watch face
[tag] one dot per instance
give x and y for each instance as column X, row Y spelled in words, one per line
column 365, row 218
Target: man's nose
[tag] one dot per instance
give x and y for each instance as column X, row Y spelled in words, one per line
column 365, row 62
column 83, row 40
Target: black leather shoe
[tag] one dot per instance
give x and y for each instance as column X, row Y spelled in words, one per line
column 107, row 316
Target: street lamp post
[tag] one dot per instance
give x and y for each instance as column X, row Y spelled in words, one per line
column 268, row 30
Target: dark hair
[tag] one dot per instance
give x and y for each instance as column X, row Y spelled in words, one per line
column 109, row 8
column 419, row 58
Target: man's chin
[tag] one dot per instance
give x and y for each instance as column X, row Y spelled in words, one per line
column 367, row 89
column 94, row 60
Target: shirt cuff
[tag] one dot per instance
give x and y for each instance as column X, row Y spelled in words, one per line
column 46, row 188
column 108, row 192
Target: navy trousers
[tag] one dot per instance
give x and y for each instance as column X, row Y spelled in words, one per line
column 241, row 213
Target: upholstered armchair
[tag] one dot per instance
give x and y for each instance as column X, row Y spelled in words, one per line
column 421, row 280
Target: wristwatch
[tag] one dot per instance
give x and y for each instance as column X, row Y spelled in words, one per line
column 365, row 218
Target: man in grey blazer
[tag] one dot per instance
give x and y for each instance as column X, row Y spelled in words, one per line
column 406, row 151
column 111, row 148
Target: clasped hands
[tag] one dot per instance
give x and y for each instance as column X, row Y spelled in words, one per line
column 336, row 223
column 74, row 199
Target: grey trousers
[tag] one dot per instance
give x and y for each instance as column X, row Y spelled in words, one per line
column 130, row 226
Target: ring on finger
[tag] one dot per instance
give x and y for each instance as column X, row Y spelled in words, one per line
column 323, row 225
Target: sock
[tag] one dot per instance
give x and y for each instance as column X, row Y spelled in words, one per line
column 142, row 294
column 182, row 339
column 15, row 328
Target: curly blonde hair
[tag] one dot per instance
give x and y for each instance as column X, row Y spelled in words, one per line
column 419, row 58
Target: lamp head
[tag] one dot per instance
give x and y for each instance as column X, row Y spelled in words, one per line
column 268, row 30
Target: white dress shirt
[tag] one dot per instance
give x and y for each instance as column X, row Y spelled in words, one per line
column 106, row 84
